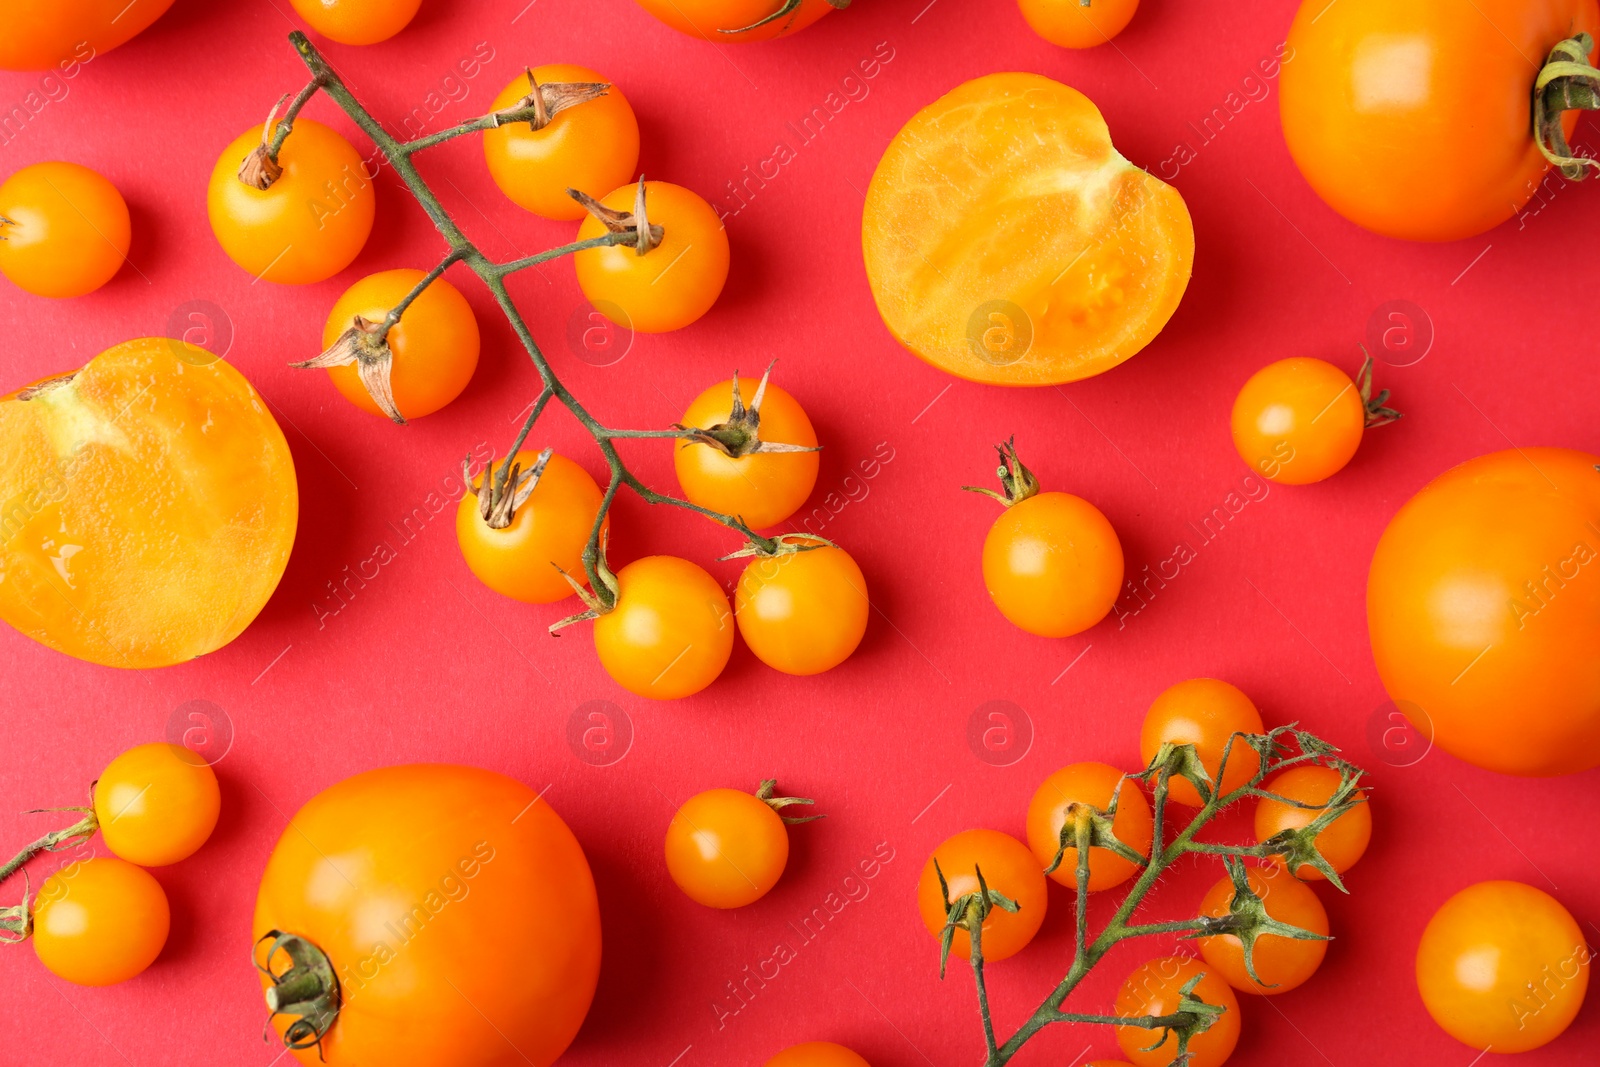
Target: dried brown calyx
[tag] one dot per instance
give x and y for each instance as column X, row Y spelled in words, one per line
column 502, row 493
column 547, row 101
column 260, row 168
column 789, row 7
column 1017, row 482
column 636, row 222
column 365, row 344
column 740, row 434
column 1379, row 413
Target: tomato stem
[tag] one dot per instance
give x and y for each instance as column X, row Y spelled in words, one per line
column 306, row 989
column 55, row 840
column 1566, row 82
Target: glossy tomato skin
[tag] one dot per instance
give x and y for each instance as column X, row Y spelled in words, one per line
column 1070, row 24
column 1007, row 241
column 357, row 21
column 726, row 848
column 122, row 477
column 1283, row 963
column 1205, row 713
column 1298, row 421
column 434, row 345
column 156, row 804
column 548, row 531
column 1373, row 96
column 456, row 908
column 41, row 34
column 1008, row 868
column 763, row 489
column 802, row 612
column 592, row 147
column 100, row 921
column 1483, row 607
column 1093, row 784
column 717, row 21
column 1341, row 843
column 1155, row 989
column 65, row 229
column 671, row 632
column 1053, row 564
column 310, row 223
column 674, row 283
column 817, row 1054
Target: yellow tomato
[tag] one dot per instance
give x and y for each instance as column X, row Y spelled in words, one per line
column 763, row 489
column 64, row 229
column 100, row 921
column 548, row 531
column 802, row 612
column 156, row 804
column 670, row 633
column 672, row 284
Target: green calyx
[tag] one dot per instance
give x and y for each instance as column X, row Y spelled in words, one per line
column 768, row 787
column 1376, row 407
column 787, row 8
column 1247, row 919
column 306, row 990
column 786, row 544
column 1017, row 482
column 596, row 602
column 1199, row 1018
column 1566, row 82
column 968, row 912
column 1087, row 826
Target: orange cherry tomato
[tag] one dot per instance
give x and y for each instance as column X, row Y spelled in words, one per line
column 1092, row 784
column 1053, row 564
column 762, row 488
column 1283, row 963
column 455, row 908
column 726, row 848
column 1205, row 713
column 156, row 804
column 64, row 229
column 1074, row 24
column 1344, row 839
column 723, row 21
column 1007, row 241
column 1483, row 606
column 817, row 1054
column 549, row 530
column 1155, row 989
column 41, row 34
column 1008, row 868
column 1300, row 420
column 150, row 506
column 669, row 286
column 1503, row 965
column 671, row 631
column 100, row 921
column 1375, row 98
column 310, row 223
column 357, row 21
column 592, row 147
column 802, row 612
column 434, row 344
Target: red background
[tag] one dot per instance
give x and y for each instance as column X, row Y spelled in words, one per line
column 1274, row 603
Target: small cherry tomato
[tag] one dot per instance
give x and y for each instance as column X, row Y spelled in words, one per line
column 548, row 530
column 1053, row 564
column 723, row 21
column 1076, row 23
column 1344, row 839
column 1282, row 963
column 434, row 343
column 1008, row 869
column 673, row 283
column 726, row 849
column 763, row 488
column 802, row 612
column 100, row 921
column 1154, row 989
column 41, row 34
column 817, row 1054
column 310, row 223
column 156, row 804
column 1205, row 713
column 357, row 21
column 1300, row 420
column 671, row 631
column 1091, row 784
column 1503, row 965
column 64, row 229
column 592, row 146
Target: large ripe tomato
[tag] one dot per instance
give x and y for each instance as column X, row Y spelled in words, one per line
column 673, row 283
column 1342, row 842
column 1008, row 869
column 1092, row 784
column 100, row 921
column 802, row 612
column 548, row 531
column 1205, row 713
column 147, row 506
column 1282, row 963
column 1483, row 605
column 64, row 229
column 671, row 631
column 1396, row 133
column 357, row 21
column 40, row 34
column 1503, row 965
column 762, row 488
column 1155, row 989
column 721, row 21
column 455, row 909
column 156, row 804
column 1007, row 241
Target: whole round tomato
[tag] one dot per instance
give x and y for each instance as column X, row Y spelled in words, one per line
column 802, row 612
column 673, row 283
column 455, row 909
column 1008, row 869
column 1398, row 135
column 1053, row 564
column 1300, row 420
column 1283, row 963
column 41, row 34
column 434, row 344
column 100, row 921
column 549, row 530
column 357, row 21
column 1483, row 606
column 1092, row 784
column 817, row 1054
column 1205, row 713
column 671, row 631
column 1007, row 241
column 762, row 488
column 64, row 229
column 307, row 225
column 726, row 848
column 1341, row 843
column 719, row 21
column 592, row 146
column 1077, row 24
column 151, row 505
column 156, row 804
column 1155, row 989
